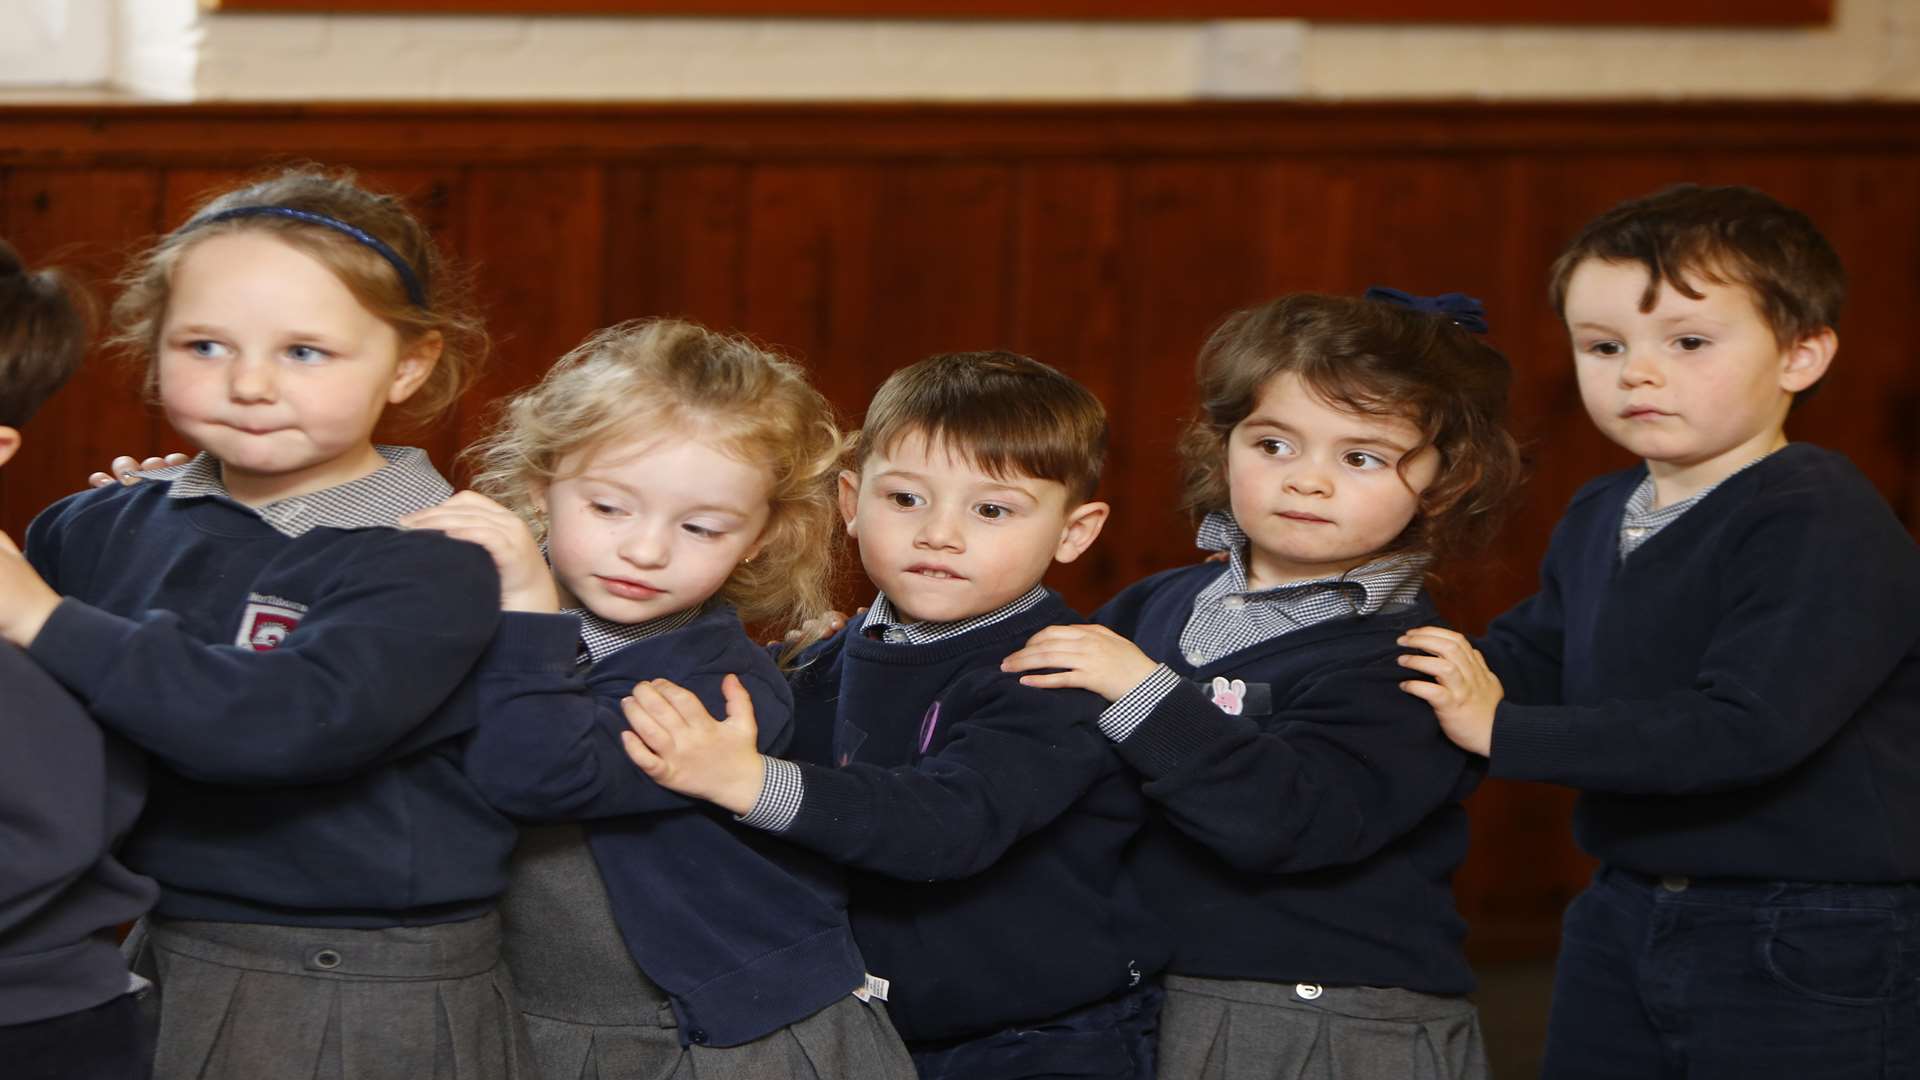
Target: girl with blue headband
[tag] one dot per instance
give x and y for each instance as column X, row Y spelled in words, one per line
column 291, row 662
column 1310, row 821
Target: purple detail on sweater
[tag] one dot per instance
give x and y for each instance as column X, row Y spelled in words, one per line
column 927, row 724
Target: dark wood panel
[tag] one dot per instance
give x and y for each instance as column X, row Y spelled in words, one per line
column 1647, row 12
column 87, row 221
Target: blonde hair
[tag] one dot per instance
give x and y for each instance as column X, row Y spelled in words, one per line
column 652, row 376
column 447, row 308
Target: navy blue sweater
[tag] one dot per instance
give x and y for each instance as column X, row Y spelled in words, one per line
column 1741, row 696
column 1313, row 837
column 745, row 934
column 314, row 783
column 989, row 821
column 68, row 794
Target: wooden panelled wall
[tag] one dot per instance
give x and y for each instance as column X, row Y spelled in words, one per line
column 1105, row 241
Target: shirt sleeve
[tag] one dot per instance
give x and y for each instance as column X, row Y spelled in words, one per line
column 1814, row 622
column 1348, row 764
column 548, row 743
column 1016, row 761
column 384, row 645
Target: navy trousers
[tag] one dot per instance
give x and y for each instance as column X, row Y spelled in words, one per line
column 1678, row 978
column 111, row 1041
column 1108, row 1040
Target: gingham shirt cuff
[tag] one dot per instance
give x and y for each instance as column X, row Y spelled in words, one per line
column 1121, row 717
column 782, row 787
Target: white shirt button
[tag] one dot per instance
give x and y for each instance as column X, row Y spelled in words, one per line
column 1196, row 658
column 1234, row 603
column 1308, row 991
column 1674, row 883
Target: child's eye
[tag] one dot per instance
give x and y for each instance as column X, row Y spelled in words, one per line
column 1606, row 348
column 905, row 500
column 1691, row 343
column 206, row 349
column 307, row 354
column 1273, row 447
column 1360, row 459
column 992, row 511
column 702, row 531
column 604, row 509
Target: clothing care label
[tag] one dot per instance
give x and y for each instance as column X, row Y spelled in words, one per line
column 876, row 987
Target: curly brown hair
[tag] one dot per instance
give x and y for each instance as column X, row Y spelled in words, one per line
column 449, row 311
column 1378, row 359
column 650, row 377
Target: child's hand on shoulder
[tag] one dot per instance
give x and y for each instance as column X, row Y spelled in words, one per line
column 526, row 583
column 681, row 747
column 25, row 600
column 121, row 470
column 1464, row 691
column 1091, row 657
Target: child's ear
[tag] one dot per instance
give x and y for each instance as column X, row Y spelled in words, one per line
column 1806, row 360
column 416, row 363
column 1084, row 523
column 9, row 442
column 848, row 489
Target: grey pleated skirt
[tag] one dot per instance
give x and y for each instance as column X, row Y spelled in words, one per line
column 1235, row 1029
column 592, row 1014
column 241, row 1001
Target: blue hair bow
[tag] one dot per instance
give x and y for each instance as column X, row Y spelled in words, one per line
column 1463, row 310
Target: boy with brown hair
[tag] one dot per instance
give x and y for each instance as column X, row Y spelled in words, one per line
column 984, row 820
column 1724, row 657
column 68, row 791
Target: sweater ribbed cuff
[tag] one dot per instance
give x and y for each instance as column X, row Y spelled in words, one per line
column 528, row 641
column 79, row 645
column 1531, row 743
column 1180, row 726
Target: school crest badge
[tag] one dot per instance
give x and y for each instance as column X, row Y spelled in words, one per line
column 267, row 621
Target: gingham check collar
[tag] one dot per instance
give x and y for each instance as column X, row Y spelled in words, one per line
column 880, row 616
column 408, row 482
column 1639, row 521
column 604, row 637
column 1393, row 579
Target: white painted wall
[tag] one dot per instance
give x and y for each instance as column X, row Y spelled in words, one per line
column 167, row 49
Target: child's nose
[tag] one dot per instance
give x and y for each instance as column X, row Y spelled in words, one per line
column 939, row 530
column 1641, row 370
column 646, row 545
column 1308, row 477
column 252, row 380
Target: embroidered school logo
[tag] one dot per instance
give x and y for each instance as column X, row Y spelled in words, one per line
column 267, row 621
column 1230, row 696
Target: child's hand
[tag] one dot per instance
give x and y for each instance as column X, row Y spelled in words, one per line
column 681, row 747
column 1095, row 658
column 25, row 600
column 526, row 584
column 1465, row 691
column 123, row 468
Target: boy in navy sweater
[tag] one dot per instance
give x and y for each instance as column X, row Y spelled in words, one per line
column 985, row 820
column 1724, row 657
column 68, row 791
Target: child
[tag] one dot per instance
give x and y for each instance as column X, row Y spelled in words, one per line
column 1311, row 822
column 1724, row 657
column 68, row 792
column 327, row 873
column 675, row 475
column 986, row 819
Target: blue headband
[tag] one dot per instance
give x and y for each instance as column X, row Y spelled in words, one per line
column 407, row 278
column 1459, row 308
